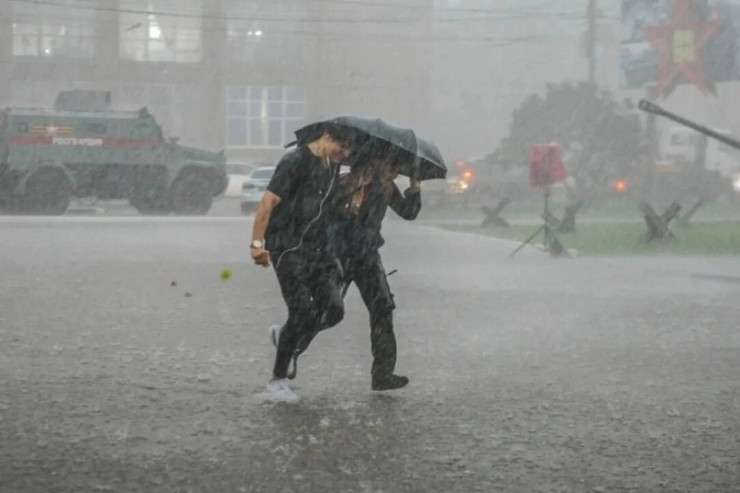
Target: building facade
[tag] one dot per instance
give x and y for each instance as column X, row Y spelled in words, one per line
column 232, row 74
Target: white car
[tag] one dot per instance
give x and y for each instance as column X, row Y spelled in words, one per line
column 238, row 173
column 254, row 186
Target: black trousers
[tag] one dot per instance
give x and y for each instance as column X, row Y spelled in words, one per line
column 369, row 276
column 311, row 285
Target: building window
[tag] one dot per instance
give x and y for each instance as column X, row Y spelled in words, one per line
column 157, row 31
column 51, row 31
column 263, row 116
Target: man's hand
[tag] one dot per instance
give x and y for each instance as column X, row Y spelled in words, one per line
column 260, row 256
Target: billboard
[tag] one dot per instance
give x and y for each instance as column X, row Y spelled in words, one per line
column 669, row 42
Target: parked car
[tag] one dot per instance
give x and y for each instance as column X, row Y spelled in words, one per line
column 238, row 173
column 254, row 186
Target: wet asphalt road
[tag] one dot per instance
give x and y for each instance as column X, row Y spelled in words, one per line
column 127, row 364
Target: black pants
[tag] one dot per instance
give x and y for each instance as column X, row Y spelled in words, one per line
column 369, row 276
column 311, row 285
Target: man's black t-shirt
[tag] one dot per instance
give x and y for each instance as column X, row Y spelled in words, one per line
column 302, row 181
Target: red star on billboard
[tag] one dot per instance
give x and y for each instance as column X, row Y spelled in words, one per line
column 680, row 44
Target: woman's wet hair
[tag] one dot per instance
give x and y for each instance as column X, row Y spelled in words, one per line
column 376, row 153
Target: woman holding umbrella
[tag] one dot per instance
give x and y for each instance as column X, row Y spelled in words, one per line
column 356, row 240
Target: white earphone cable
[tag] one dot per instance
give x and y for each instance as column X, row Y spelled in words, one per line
column 316, row 218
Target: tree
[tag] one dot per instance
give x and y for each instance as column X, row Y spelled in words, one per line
column 598, row 142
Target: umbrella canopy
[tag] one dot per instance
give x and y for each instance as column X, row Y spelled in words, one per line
column 428, row 153
column 425, row 160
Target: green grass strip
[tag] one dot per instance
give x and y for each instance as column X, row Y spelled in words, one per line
column 609, row 239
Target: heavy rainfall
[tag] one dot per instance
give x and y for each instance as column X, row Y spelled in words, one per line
column 502, row 236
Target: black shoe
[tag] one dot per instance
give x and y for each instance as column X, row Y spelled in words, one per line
column 389, row 382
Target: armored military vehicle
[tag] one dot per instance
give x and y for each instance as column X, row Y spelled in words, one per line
column 83, row 148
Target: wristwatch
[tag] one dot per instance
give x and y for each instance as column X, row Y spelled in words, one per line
column 257, row 244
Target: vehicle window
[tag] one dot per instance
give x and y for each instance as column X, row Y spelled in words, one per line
column 141, row 130
column 262, row 174
column 96, row 128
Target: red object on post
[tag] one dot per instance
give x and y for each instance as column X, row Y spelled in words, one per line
column 545, row 165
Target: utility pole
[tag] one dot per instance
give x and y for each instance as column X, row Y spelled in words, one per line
column 591, row 41
column 6, row 52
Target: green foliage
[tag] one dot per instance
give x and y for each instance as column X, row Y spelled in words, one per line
column 608, row 239
column 598, row 143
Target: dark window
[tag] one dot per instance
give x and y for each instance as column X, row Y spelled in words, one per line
column 96, row 128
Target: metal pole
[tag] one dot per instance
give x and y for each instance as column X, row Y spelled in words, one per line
column 591, row 41
column 651, row 142
column 548, row 239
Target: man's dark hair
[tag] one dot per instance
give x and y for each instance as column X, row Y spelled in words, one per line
column 345, row 136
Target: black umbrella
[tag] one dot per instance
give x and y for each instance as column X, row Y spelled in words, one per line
column 425, row 161
column 428, row 153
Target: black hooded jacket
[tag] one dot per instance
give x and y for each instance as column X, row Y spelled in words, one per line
column 357, row 237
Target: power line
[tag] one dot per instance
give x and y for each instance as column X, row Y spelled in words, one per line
column 185, row 15
column 282, row 32
column 513, row 14
column 495, row 41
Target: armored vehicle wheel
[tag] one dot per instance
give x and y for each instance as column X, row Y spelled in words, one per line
column 48, row 192
column 191, row 194
column 152, row 209
column 151, row 206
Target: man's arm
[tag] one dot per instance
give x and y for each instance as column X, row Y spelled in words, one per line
column 281, row 186
column 261, row 219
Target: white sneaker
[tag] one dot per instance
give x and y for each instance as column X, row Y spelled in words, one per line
column 275, row 331
column 280, row 389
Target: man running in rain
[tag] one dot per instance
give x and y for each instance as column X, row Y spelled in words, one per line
column 290, row 232
column 354, row 235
